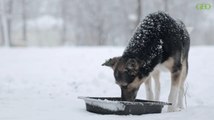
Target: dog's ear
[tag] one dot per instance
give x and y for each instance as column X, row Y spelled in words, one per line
column 111, row 62
column 132, row 64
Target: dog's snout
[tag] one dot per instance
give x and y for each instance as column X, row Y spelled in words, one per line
column 128, row 94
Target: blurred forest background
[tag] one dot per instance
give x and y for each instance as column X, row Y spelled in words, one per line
column 94, row 22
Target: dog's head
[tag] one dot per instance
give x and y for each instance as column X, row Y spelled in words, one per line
column 127, row 75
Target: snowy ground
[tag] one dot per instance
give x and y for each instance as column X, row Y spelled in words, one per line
column 43, row 84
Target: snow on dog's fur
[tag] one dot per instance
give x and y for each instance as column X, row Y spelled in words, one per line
column 159, row 40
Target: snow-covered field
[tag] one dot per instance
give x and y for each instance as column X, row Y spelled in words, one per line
column 43, row 84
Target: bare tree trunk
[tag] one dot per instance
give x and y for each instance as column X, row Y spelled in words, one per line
column 101, row 34
column 2, row 31
column 9, row 20
column 63, row 34
column 24, row 17
column 64, row 17
column 4, row 24
column 166, row 7
column 139, row 11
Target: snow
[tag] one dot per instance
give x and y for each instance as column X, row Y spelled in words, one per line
column 106, row 104
column 43, row 84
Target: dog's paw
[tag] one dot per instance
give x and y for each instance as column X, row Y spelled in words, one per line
column 174, row 109
column 180, row 108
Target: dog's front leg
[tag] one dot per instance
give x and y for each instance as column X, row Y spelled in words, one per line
column 156, row 77
column 149, row 92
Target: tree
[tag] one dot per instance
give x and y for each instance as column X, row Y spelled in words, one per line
column 139, row 11
column 1, row 29
column 166, row 7
column 64, row 15
column 4, row 24
column 24, row 17
column 9, row 11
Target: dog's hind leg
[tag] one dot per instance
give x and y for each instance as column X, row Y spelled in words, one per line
column 183, row 78
column 149, row 92
column 176, row 75
column 156, row 77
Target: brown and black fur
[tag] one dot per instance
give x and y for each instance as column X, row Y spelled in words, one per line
column 159, row 40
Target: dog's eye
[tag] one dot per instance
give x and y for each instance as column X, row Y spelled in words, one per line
column 131, row 72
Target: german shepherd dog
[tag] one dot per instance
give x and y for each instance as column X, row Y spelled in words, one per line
column 158, row 40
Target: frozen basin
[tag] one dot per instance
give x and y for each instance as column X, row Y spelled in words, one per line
column 114, row 105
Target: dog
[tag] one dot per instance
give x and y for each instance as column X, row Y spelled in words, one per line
column 158, row 41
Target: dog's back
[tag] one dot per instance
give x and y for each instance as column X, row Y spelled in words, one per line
column 157, row 38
